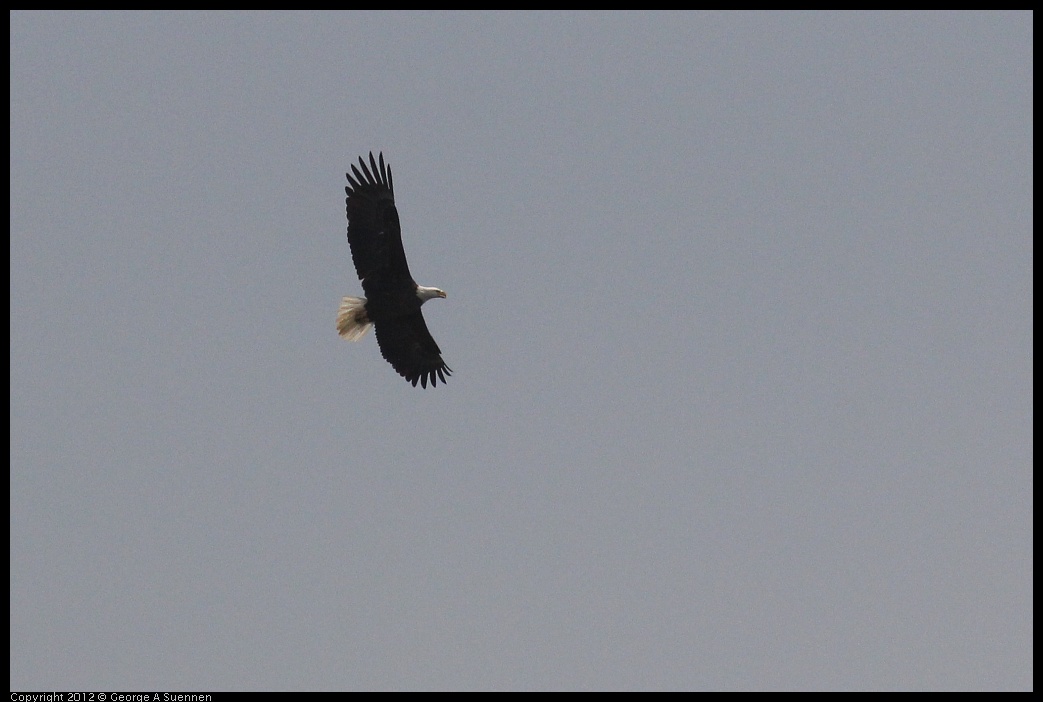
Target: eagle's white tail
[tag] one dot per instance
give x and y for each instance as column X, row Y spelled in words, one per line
column 352, row 321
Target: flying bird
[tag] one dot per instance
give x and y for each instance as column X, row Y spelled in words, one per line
column 393, row 299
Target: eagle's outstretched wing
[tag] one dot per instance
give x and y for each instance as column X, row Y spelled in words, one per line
column 374, row 232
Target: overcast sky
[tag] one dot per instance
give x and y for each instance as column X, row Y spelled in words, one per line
column 739, row 312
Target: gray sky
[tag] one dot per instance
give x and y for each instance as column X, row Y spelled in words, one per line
column 739, row 312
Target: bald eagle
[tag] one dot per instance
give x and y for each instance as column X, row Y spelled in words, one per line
column 393, row 299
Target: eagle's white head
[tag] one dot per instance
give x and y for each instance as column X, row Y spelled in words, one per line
column 426, row 294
